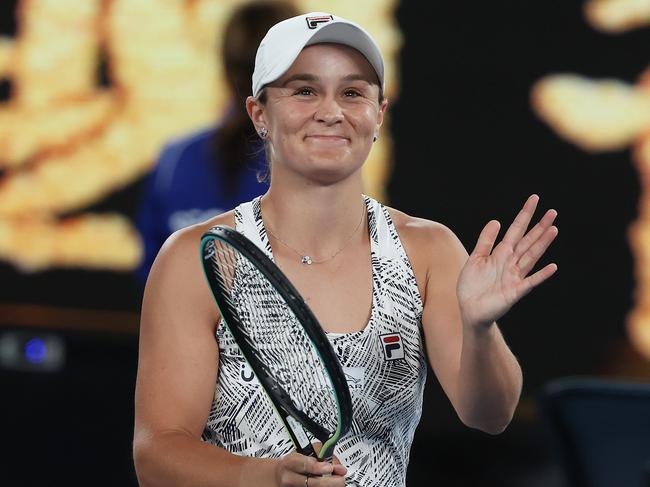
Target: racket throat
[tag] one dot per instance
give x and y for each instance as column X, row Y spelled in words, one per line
column 299, row 437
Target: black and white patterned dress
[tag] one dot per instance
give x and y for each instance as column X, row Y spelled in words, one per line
column 384, row 363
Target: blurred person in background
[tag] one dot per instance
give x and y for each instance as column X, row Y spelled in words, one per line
column 212, row 171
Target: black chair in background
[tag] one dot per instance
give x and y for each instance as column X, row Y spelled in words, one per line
column 600, row 430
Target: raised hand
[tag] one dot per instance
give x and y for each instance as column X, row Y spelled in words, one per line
column 495, row 278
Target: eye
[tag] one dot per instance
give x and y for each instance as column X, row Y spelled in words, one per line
column 351, row 93
column 304, row 91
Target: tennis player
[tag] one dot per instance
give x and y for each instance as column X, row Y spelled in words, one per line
column 392, row 291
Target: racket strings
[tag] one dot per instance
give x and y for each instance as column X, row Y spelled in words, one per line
column 273, row 330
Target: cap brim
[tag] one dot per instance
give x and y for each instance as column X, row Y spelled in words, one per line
column 354, row 37
column 338, row 32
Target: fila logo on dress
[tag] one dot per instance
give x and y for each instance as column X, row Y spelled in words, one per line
column 314, row 22
column 392, row 345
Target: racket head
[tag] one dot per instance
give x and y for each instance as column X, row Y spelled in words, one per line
column 280, row 338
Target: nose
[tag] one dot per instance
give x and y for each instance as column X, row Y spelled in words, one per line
column 328, row 111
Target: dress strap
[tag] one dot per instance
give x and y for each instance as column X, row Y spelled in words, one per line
column 248, row 221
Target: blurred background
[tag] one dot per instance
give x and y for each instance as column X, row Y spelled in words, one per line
column 490, row 102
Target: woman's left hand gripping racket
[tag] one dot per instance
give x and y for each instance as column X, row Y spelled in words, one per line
column 280, row 338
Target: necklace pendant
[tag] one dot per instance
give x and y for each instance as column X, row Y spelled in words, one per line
column 306, row 260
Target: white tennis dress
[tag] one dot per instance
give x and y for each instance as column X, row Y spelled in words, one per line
column 384, row 364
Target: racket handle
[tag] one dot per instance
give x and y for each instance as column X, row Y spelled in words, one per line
column 308, row 451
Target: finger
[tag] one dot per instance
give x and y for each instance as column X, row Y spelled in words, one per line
column 531, row 282
column 534, row 253
column 320, row 468
column 338, row 470
column 317, row 446
column 293, row 479
column 486, row 239
column 307, row 465
column 334, row 481
column 536, row 232
column 519, row 225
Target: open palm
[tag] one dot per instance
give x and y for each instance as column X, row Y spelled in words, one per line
column 495, row 278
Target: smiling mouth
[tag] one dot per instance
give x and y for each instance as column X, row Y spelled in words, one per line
column 328, row 138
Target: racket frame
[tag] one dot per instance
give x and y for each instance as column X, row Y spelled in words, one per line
column 278, row 396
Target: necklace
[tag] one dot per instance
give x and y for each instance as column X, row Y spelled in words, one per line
column 306, row 259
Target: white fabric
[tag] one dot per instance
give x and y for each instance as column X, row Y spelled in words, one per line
column 386, row 380
column 284, row 41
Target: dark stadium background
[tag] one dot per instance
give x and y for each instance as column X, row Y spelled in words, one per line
column 467, row 148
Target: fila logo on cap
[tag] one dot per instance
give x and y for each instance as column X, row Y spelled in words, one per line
column 314, row 22
column 392, row 345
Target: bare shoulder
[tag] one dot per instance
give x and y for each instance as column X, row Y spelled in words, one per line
column 422, row 235
column 432, row 248
column 184, row 243
column 177, row 272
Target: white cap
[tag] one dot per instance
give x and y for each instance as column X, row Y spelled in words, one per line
column 284, row 41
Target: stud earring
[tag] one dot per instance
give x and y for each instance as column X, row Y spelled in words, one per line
column 264, row 132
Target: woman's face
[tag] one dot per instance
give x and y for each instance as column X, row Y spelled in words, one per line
column 322, row 114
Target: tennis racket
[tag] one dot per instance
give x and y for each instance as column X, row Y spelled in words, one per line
column 280, row 339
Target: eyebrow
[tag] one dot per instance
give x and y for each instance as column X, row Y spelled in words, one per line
column 312, row 78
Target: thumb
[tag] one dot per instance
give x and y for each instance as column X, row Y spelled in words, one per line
column 339, row 470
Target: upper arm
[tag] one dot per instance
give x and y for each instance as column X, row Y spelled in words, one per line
column 178, row 356
column 441, row 320
column 437, row 257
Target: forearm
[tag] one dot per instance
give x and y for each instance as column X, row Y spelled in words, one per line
column 176, row 458
column 489, row 379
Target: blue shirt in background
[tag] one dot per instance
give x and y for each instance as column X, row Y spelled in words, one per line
column 186, row 187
